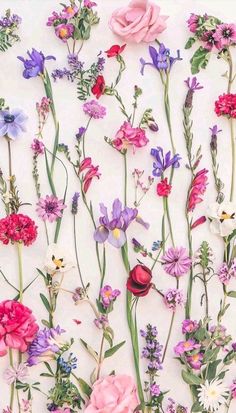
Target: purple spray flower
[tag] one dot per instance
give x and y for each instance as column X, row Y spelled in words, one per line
column 161, row 60
column 163, row 161
column 44, row 346
column 34, row 66
column 108, row 295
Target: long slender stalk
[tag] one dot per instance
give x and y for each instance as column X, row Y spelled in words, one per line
column 233, row 159
column 170, row 328
column 100, row 357
column 83, row 143
column 76, row 253
column 13, row 384
column 20, row 270
column 125, row 179
column 10, row 163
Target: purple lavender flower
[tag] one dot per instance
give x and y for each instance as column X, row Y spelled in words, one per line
column 161, row 60
column 193, row 84
column 45, row 345
column 214, row 132
column 152, row 350
column 113, row 230
column 34, row 66
column 74, row 207
column 61, row 73
column 38, row 147
column 73, row 61
column 163, row 162
column 108, row 295
column 12, row 123
column 155, row 390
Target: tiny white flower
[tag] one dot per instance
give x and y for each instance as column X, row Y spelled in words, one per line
column 223, row 218
column 57, row 260
column 212, row 394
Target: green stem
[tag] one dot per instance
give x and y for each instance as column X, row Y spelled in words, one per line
column 169, row 222
column 170, row 328
column 163, row 224
column 20, row 270
column 190, row 283
column 125, row 178
column 76, row 254
column 233, row 160
column 100, row 359
column 83, row 144
column 13, row 384
column 10, row 163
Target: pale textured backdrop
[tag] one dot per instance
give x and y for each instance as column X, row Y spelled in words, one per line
column 25, row 93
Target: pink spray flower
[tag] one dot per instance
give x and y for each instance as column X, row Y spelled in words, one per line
column 225, row 34
column 198, row 188
column 195, row 360
column 91, row 172
column 186, row 346
column 129, row 136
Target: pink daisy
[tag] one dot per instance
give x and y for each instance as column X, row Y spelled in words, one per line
column 176, row 262
column 50, row 208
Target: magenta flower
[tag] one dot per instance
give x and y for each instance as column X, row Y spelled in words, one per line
column 127, row 136
column 185, row 346
column 225, row 34
column 198, row 188
column 189, row 326
column 69, row 12
column 108, row 295
column 50, row 208
column 195, row 360
column 94, row 110
column 38, row 147
column 173, row 298
column 233, row 389
column 224, row 274
column 176, row 262
column 64, row 31
column 193, row 22
column 89, row 4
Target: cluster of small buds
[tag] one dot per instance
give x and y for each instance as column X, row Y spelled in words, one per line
column 101, row 322
column 69, row 365
column 219, row 335
column 43, row 108
column 137, row 174
column 79, row 294
column 9, row 21
column 156, row 245
column 63, row 73
column 73, row 61
column 152, row 350
column 173, row 298
column 100, row 64
column 80, row 133
column 74, row 206
column 226, row 272
column 172, row 407
column 148, row 121
column 38, row 147
column 204, row 255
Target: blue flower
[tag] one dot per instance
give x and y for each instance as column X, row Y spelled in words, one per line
column 12, row 123
column 34, row 66
column 163, row 161
column 161, row 60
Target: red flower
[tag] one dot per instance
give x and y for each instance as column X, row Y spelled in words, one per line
column 198, row 188
column 198, row 221
column 115, row 50
column 99, row 87
column 163, row 188
column 18, row 228
column 17, row 326
column 139, row 281
column 92, row 172
column 226, row 105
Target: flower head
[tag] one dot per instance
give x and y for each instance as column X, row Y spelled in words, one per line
column 94, row 110
column 127, row 136
column 163, row 162
column 38, row 147
column 222, row 217
column 186, row 346
column 108, row 295
column 91, row 172
column 139, row 281
column 161, row 59
column 18, row 228
column 98, row 88
column 189, row 326
column 64, row 31
column 34, row 66
column 115, row 50
column 12, row 123
column 214, row 132
column 17, row 326
column 233, row 389
column 57, row 260
column 212, row 395
column 198, row 188
column 163, row 188
column 176, row 262
column 193, row 22
column 50, row 208
column 45, row 345
column 16, row 372
column 226, row 105
column 173, row 298
column 89, row 4
column 113, row 229
column 74, row 206
column 225, row 34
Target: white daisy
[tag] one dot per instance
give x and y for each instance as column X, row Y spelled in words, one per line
column 212, row 394
column 223, row 218
column 57, row 260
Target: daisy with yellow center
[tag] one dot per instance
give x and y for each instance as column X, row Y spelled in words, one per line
column 212, row 395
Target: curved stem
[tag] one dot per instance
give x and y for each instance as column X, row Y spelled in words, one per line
column 20, row 270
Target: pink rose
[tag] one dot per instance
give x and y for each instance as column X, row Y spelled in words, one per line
column 113, row 394
column 140, row 21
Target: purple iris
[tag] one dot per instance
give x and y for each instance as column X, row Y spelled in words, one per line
column 34, row 66
column 113, row 230
column 163, row 161
column 44, row 346
column 161, row 59
column 12, row 123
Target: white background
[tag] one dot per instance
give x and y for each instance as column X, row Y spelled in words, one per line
column 24, row 94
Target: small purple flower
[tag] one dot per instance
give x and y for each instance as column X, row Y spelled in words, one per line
column 152, row 350
column 73, row 61
column 214, row 132
column 34, row 66
column 61, row 73
column 163, row 162
column 173, row 298
column 45, row 345
column 94, row 109
column 50, row 208
column 38, row 147
column 224, row 274
column 80, row 133
column 12, row 123
column 101, row 322
column 113, row 230
column 193, row 84
column 74, row 207
column 195, row 360
column 189, row 326
column 89, row 4
column 108, row 295
column 161, row 60
column 155, row 390
column 186, row 346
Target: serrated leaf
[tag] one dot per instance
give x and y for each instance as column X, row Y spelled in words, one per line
column 113, row 350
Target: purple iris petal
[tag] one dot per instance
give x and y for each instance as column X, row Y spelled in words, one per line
column 101, row 234
column 163, row 162
column 34, row 66
column 161, row 59
column 128, row 215
column 117, row 238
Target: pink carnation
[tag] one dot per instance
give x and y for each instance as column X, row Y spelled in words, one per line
column 18, row 228
column 129, row 136
column 113, row 394
column 140, row 21
column 17, row 326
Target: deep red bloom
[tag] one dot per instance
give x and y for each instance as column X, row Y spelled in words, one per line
column 198, row 222
column 226, row 105
column 198, row 188
column 115, row 50
column 91, row 172
column 99, row 87
column 18, row 228
column 139, row 281
column 17, row 326
column 163, row 188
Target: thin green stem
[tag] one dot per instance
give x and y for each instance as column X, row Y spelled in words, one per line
column 190, row 283
column 163, row 223
column 170, row 328
column 125, row 179
column 233, row 159
column 76, row 253
column 10, row 163
column 20, row 270
column 100, row 357
column 13, row 384
column 83, row 143
column 169, row 222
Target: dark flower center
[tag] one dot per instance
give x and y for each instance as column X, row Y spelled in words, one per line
column 227, row 33
column 9, row 118
column 50, row 207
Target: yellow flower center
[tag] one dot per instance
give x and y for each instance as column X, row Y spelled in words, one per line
column 58, row 262
column 116, row 233
column 224, row 215
column 187, row 344
column 107, row 293
column 63, row 32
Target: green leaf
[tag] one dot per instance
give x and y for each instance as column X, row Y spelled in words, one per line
column 199, row 60
column 200, row 334
column 108, row 337
column 211, row 370
column 211, row 355
column 113, row 350
column 190, row 42
column 231, row 294
column 48, row 367
column 46, row 375
column 90, row 350
column 45, row 302
column 196, row 407
column 190, row 378
column 84, row 387
column 100, row 307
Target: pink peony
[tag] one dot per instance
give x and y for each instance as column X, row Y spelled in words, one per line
column 129, row 136
column 17, row 326
column 140, row 21
column 113, row 394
